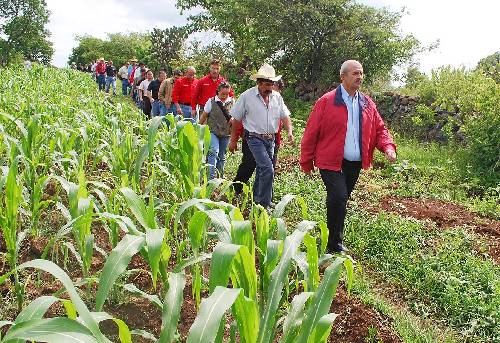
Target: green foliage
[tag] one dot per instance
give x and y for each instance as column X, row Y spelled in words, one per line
column 436, row 268
column 490, row 66
column 23, row 32
column 117, row 47
column 166, row 45
column 474, row 97
column 308, row 41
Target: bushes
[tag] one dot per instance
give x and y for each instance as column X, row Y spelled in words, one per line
column 475, row 98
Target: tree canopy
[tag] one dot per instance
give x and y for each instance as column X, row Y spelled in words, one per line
column 307, row 40
column 22, row 31
column 118, row 47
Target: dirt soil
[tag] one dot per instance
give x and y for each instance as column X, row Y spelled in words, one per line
column 358, row 323
column 447, row 215
column 287, row 163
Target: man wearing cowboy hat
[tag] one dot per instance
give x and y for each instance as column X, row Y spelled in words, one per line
column 261, row 109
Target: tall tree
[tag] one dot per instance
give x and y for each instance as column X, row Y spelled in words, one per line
column 167, row 45
column 490, row 65
column 22, row 25
column 118, row 47
column 307, row 39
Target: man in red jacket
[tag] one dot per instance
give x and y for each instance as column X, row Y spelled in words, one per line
column 100, row 71
column 206, row 87
column 182, row 92
column 341, row 134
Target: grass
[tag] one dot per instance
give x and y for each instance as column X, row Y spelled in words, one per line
column 438, row 274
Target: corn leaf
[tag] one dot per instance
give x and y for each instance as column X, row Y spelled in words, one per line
column 154, row 243
column 294, row 318
column 276, row 284
column 322, row 300
column 80, row 306
column 323, row 328
column 116, row 264
column 172, row 307
column 212, row 309
column 54, row 330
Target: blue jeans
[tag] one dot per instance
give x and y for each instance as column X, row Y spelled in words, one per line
column 101, row 81
column 186, row 112
column 125, row 86
column 156, row 108
column 164, row 110
column 111, row 80
column 217, row 154
column 262, row 151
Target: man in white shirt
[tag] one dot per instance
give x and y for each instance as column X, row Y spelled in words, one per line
column 123, row 75
column 260, row 109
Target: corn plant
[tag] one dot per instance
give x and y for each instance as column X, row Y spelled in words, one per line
column 9, row 212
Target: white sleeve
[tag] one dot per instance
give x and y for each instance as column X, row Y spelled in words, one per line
column 284, row 111
column 208, row 106
column 238, row 110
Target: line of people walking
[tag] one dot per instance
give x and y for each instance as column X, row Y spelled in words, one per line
column 341, row 134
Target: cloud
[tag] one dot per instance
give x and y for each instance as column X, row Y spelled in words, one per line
column 96, row 18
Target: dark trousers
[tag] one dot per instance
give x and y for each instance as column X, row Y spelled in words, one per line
column 245, row 169
column 248, row 165
column 339, row 185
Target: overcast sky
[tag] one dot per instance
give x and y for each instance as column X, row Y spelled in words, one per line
column 467, row 31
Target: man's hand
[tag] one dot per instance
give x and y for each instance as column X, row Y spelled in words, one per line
column 391, row 155
column 290, row 138
column 233, row 146
column 193, row 113
column 309, row 172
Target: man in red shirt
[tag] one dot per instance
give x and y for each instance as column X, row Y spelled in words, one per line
column 100, row 71
column 341, row 134
column 182, row 92
column 206, row 87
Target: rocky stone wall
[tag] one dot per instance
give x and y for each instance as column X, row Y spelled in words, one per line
column 399, row 112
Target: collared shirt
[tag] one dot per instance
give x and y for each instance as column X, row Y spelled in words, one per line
column 257, row 117
column 208, row 104
column 123, row 72
column 183, row 90
column 205, row 89
column 352, row 152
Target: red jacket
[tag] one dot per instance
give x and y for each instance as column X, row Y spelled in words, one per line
column 324, row 136
column 183, row 90
column 100, row 68
column 205, row 89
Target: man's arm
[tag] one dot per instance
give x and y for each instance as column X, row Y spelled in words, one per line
column 236, row 129
column 383, row 138
column 161, row 91
column 310, row 137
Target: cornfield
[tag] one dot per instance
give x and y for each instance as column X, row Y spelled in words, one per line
column 73, row 162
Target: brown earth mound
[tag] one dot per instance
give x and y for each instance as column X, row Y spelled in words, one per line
column 359, row 323
column 447, row 215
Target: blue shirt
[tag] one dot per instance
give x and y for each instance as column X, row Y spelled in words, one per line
column 352, row 151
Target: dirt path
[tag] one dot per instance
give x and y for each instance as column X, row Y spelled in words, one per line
column 446, row 215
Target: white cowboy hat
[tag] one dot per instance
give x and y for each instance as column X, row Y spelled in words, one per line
column 265, row 72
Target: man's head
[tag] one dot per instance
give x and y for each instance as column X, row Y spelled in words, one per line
column 162, row 75
column 215, row 69
column 149, row 75
column 177, row 74
column 265, row 86
column 223, row 90
column 279, row 85
column 190, row 72
column 126, row 64
column 351, row 75
column 110, row 62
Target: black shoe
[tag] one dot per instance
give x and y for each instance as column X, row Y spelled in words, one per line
column 339, row 249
